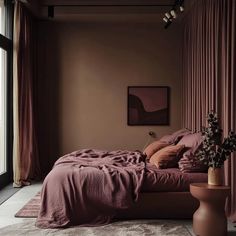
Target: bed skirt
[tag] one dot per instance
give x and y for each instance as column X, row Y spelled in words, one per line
column 162, row 205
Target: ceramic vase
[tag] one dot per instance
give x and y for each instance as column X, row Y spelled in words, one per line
column 215, row 176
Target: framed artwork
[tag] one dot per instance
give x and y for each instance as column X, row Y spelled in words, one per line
column 148, row 105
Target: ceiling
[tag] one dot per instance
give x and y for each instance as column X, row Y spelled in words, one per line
column 102, row 10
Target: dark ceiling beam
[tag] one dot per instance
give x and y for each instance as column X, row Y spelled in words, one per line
column 106, row 3
column 74, row 10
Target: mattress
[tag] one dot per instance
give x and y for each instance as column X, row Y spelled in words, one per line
column 169, row 180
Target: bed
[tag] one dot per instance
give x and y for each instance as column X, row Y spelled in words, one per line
column 164, row 195
column 94, row 187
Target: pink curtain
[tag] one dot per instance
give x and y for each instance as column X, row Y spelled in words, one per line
column 25, row 152
column 209, row 73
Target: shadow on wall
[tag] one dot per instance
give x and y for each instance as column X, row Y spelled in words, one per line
column 48, row 96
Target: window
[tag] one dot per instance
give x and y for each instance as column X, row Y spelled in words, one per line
column 5, row 92
column 3, row 57
column 2, row 18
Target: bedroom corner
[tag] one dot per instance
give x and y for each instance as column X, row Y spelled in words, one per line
column 113, row 112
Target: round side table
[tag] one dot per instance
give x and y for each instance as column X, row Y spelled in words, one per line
column 209, row 219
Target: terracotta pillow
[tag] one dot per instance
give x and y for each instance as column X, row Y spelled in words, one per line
column 154, row 147
column 167, row 157
column 175, row 137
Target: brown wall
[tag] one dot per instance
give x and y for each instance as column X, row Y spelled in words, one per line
column 84, row 70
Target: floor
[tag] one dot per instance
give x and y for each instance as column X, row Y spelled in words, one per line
column 9, row 207
column 15, row 203
column 7, row 192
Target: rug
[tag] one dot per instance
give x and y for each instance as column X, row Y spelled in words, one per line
column 31, row 208
column 121, row 228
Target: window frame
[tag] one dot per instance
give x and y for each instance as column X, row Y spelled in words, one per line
column 6, row 44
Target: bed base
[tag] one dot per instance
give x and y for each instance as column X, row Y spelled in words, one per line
column 162, row 205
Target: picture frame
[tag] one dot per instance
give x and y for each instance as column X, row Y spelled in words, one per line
column 148, row 105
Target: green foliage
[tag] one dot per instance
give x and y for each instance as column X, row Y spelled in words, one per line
column 214, row 151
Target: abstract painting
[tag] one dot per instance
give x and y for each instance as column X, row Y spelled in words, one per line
column 148, row 105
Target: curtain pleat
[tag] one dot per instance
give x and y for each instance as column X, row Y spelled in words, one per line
column 209, row 73
column 25, row 153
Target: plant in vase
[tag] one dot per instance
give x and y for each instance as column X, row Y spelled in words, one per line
column 215, row 150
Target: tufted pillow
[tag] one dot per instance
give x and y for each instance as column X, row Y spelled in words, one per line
column 175, row 137
column 154, row 147
column 167, row 157
column 189, row 162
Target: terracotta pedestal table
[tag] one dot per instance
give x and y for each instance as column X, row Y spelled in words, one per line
column 210, row 219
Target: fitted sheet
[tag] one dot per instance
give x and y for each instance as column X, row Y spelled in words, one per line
column 169, row 180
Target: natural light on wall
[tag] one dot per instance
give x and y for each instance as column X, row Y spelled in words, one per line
column 2, row 98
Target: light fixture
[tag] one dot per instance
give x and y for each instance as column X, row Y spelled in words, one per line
column 51, row 11
column 168, row 18
column 168, row 24
column 165, row 19
column 181, row 5
column 172, row 14
column 168, row 15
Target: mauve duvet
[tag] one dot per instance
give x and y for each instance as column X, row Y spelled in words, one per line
column 86, row 187
column 169, row 180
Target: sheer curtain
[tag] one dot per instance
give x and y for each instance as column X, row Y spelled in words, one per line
column 25, row 153
column 209, row 73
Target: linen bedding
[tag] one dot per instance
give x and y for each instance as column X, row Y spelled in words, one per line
column 88, row 186
column 169, row 180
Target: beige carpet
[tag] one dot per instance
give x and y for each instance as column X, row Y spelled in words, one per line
column 122, row 228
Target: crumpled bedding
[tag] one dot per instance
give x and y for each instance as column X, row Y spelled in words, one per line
column 86, row 187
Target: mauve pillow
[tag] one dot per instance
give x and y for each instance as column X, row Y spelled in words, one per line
column 167, row 157
column 154, row 147
column 175, row 137
column 189, row 162
column 191, row 141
